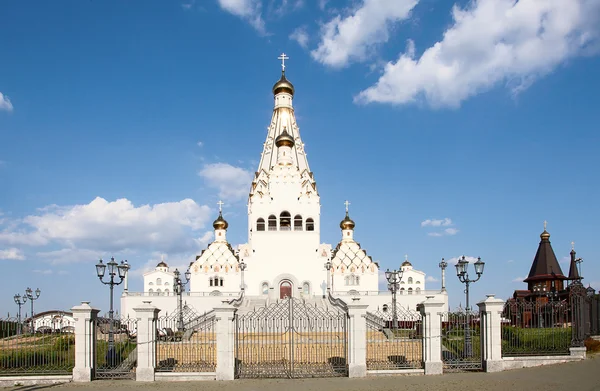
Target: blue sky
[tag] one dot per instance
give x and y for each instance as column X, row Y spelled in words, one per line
column 122, row 123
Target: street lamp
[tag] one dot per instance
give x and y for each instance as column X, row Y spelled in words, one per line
column 113, row 269
column 242, row 268
column 179, row 287
column 393, row 278
column 20, row 300
column 32, row 296
column 443, row 265
column 463, row 276
column 328, row 268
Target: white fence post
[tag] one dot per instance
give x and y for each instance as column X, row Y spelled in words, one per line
column 432, row 310
column 146, row 316
column 225, row 330
column 85, row 342
column 357, row 340
column 490, row 313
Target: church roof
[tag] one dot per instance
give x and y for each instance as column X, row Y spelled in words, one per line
column 545, row 265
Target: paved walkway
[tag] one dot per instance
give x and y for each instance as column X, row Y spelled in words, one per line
column 577, row 376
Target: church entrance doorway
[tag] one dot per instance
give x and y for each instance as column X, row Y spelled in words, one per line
column 285, row 289
column 291, row 339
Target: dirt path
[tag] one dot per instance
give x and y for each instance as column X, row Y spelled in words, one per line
column 578, row 376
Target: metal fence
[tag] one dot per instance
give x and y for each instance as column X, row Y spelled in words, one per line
column 291, row 339
column 186, row 342
column 50, row 350
column 461, row 340
column 116, row 348
column 394, row 339
column 536, row 328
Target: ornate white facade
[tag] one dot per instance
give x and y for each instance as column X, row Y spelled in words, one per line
column 284, row 255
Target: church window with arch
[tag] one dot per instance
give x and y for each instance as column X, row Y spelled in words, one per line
column 310, row 224
column 272, row 223
column 418, row 290
column 150, row 283
column 167, row 292
column 260, row 224
column 215, row 281
column 410, row 280
column 306, row 288
column 285, row 221
column 410, row 291
column 265, row 288
column 158, row 281
column 150, row 290
column 158, row 291
column 418, row 282
column 402, row 290
column 298, row 223
column 385, row 308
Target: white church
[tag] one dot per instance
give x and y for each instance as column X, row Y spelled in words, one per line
column 284, row 217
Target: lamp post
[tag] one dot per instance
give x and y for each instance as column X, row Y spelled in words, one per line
column 113, row 269
column 463, row 276
column 328, row 268
column 242, row 268
column 179, row 287
column 443, row 265
column 393, row 278
column 32, row 296
column 20, row 300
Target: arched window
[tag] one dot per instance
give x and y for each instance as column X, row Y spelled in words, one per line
column 272, row 223
column 401, row 291
column 158, row 291
column 220, row 282
column 260, row 224
column 418, row 282
column 410, row 280
column 298, row 223
column 402, row 283
column 306, row 288
column 357, row 280
column 150, row 290
column 167, row 292
column 418, row 290
column 150, row 283
column 167, row 283
column 310, row 224
column 285, row 221
column 385, row 308
column 347, row 280
column 265, row 288
column 158, row 281
column 410, row 291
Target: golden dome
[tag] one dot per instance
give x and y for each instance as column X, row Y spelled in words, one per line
column 283, row 85
column 284, row 139
column 545, row 235
column 347, row 223
column 220, row 222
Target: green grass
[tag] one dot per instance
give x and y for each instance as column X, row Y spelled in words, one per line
column 49, row 354
column 123, row 349
column 518, row 341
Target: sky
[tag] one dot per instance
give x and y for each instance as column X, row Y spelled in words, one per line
column 452, row 128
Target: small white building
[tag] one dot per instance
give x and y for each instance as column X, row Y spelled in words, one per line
column 284, row 255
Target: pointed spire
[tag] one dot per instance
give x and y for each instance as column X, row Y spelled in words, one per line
column 573, row 270
column 545, row 266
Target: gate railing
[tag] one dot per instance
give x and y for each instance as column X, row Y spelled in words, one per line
column 191, row 348
column 115, row 359
column 461, row 340
column 394, row 342
column 536, row 328
column 50, row 350
column 291, row 339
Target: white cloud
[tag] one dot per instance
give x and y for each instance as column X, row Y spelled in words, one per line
column 232, row 182
column 44, row 271
column 436, row 223
column 89, row 230
column 518, row 279
column 200, row 144
column 354, row 37
column 12, row 254
column 249, row 10
column 322, row 4
column 300, row 35
column 431, row 279
column 490, row 42
column 5, row 103
column 189, row 5
column 510, row 261
column 450, row 231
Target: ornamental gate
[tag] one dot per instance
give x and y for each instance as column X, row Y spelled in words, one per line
column 461, row 341
column 291, row 339
column 116, row 348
